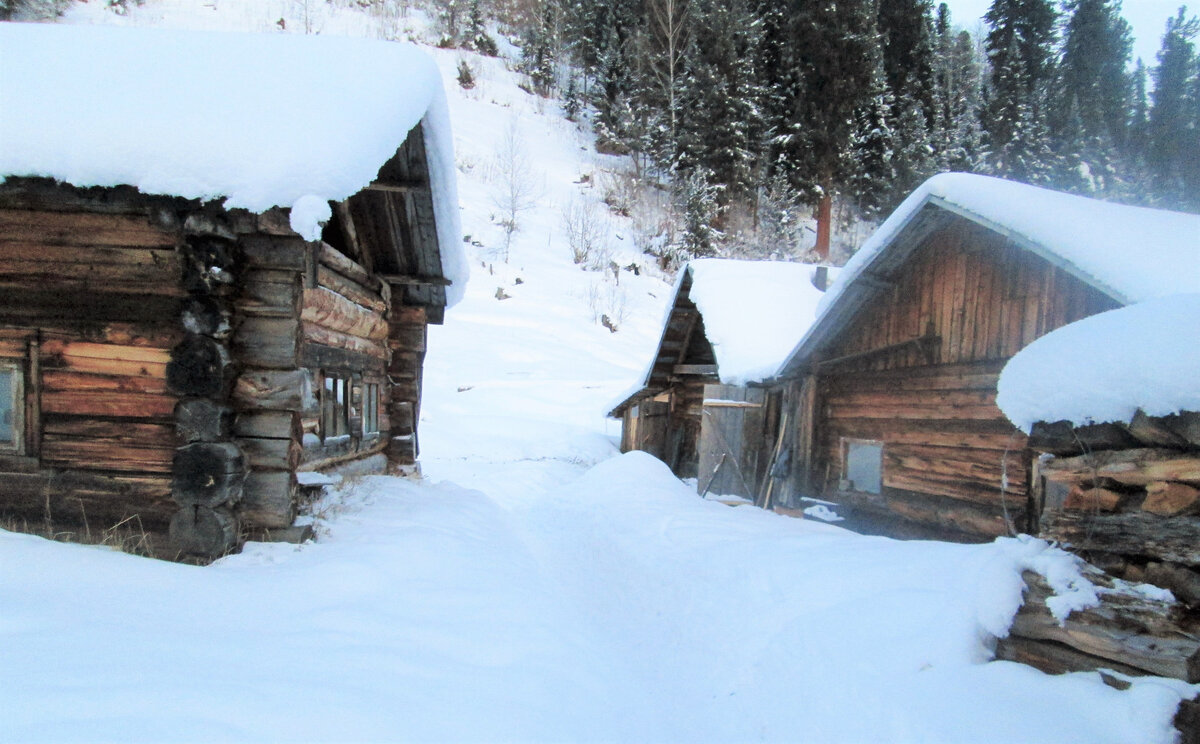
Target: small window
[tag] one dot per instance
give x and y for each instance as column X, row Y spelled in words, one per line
column 862, row 465
column 335, row 407
column 370, row 408
column 12, row 408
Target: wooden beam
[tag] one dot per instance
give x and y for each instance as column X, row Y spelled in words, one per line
column 694, row 369
column 428, row 281
column 397, row 187
column 718, row 403
column 921, row 342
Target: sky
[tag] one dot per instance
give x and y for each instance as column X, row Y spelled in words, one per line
column 1148, row 18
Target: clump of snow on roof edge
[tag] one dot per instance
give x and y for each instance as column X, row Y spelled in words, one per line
column 259, row 120
column 1104, row 368
column 754, row 313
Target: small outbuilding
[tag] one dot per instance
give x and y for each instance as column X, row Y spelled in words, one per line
column 703, row 406
column 219, row 254
column 894, row 384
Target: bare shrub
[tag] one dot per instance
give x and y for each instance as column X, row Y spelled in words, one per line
column 516, row 189
column 608, row 302
column 587, row 232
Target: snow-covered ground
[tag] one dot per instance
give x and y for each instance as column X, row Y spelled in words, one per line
column 534, row 585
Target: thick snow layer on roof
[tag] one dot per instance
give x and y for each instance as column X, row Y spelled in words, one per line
column 1133, row 253
column 1105, row 367
column 754, row 313
column 261, row 120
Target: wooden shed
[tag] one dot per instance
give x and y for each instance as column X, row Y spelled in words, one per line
column 175, row 362
column 893, row 389
column 703, row 406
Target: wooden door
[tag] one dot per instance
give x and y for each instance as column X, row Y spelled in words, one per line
column 731, row 436
column 651, row 432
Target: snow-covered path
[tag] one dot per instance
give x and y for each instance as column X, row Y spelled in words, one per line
column 534, row 586
column 610, row 607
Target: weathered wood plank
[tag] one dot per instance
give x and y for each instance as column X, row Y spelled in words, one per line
column 357, row 293
column 105, row 454
column 331, row 310
column 1138, row 533
column 115, row 404
column 1137, row 467
column 279, row 390
column 1126, row 628
column 60, row 381
column 268, row 424
column 268, row 499
column 83, row 229
column 267, row 342
column 316, row 334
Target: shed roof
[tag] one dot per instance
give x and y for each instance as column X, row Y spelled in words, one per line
column 752, row 313
column 258, row 120
column 1128, row 253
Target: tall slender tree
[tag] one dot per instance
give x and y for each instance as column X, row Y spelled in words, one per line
column 1021, row 50
column 1173, row 154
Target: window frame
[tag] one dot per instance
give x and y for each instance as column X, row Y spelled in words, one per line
column 335, row 406
column 370, row 408
column 16, row 369
column 848, row 444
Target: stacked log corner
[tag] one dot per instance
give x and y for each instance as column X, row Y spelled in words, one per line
column 407, row 332
column 273, row 390
column 208, row 470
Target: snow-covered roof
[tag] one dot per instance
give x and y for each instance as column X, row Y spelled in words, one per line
column 1104, row 368
column 1129, row 253
column 261, row 120
column 754, row 312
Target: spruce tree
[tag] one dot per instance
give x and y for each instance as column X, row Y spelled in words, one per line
column 830, row 51
column 1020, row 49
column 906, row 40
column 873, row 179
column 1173, row 153
column 722, row 130
column 956, row 131
column 1097, row 46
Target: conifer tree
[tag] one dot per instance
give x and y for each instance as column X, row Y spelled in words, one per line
column 722, row 130
column 874, row 145
column 956, row 131
column 1173, row 154
column 1020, row 48
column 1097, row 45
column 831, row 49
column 906, row 40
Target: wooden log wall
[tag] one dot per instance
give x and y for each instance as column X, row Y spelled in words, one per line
column 168, row 348
column 953, row 466
column 83, row 298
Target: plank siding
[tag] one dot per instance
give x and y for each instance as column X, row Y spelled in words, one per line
column 93, row 297
column 952, row 464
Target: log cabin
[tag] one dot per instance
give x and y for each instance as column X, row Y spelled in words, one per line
column 893, row 388
column 182, row 337
column 702, row 407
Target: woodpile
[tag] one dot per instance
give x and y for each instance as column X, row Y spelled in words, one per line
column 1129, row 632
column 1126, row 496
